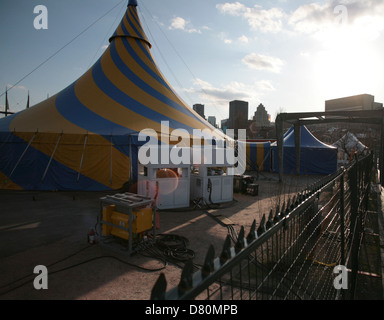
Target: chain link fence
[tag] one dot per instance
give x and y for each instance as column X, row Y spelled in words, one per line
column 296, row 252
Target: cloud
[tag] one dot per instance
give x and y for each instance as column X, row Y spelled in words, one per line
column 362, row 16
column 235, row 9
column 219, row 95
column 10, row 86
column 270, row 20
column 263, row 63
column 224, row 37
column 264, row 85
column 243, row 39
column 157, row 20
column 222, row 95
column 308, row 18
column 179, row 23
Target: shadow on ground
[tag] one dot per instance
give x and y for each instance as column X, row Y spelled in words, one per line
column 50, row 229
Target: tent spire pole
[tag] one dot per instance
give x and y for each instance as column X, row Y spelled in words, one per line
column 6, row 102
column 132, row 3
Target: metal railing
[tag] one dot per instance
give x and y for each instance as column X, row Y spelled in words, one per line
column 292, row 253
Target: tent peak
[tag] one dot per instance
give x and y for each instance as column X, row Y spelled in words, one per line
column 127, row 27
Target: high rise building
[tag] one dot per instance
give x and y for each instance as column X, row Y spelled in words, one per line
column 261, row 117
column 238, row 115
column 212, row 120
column 224, row 125
column 199, row 108
column 354, row 103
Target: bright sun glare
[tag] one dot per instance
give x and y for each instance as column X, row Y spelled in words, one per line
column 348, row 65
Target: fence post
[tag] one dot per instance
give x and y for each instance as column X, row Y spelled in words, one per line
column 355, row 226
column 342, row 222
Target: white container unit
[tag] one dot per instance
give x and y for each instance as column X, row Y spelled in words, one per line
column 168, row 183
column 210, row 179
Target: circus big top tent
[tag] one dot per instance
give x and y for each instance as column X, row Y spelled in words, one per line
column 86, row 136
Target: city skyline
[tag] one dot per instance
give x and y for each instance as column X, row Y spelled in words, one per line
column 291, row 57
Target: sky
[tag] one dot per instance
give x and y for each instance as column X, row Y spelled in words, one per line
column 291, row 56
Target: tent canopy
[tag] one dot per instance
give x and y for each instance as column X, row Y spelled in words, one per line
column 349, row 142
column 86, row 136
column 316, row 157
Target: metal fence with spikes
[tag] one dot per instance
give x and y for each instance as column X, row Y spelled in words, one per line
column 292, row 253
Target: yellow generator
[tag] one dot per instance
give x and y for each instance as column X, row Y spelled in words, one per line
column 127, row 216
column 118, row 223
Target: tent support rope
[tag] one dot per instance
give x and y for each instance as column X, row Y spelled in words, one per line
column 82, row 158
column 130, row 157
column 50, row 160
column 22, row 155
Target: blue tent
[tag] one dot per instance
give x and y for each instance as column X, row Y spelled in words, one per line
column 316, row 157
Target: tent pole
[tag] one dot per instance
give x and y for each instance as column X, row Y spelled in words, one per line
column 110, row 178
column 381, row 153
column 130, row 157
column 50, row 160
column 297, row 133
column 22, row 155
column 82, row 158
column 280, row 138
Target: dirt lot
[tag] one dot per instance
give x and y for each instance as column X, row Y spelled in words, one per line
column 51, row 229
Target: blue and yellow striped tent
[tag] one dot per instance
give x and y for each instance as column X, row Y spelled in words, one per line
column 258, row 156
column 86, row 136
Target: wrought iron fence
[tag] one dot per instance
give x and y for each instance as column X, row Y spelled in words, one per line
column 292, row 253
